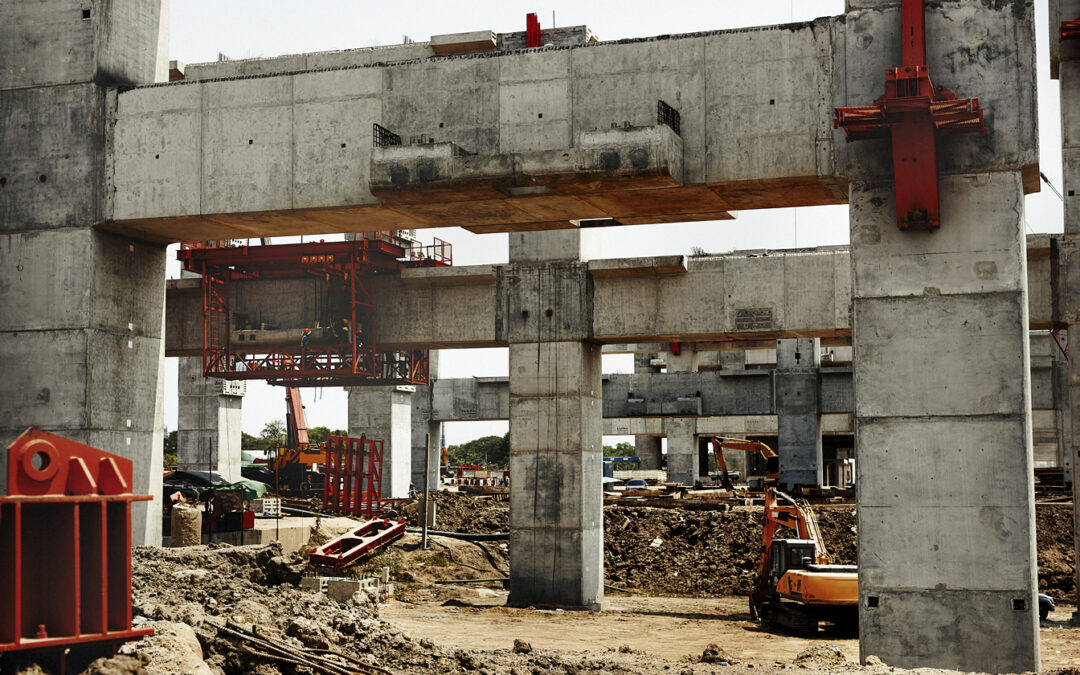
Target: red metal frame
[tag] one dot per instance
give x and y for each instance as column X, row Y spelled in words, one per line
column 353, row 482
column 532, row 30
column 1070, row 30
column 912, row 112
column 369, row 538
column 65, row 546
column 346, row 268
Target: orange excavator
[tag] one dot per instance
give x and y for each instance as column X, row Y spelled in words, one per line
column 719, row 444
column 798, row 587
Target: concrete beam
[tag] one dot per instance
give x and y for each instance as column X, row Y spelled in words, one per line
column 740, row 296
column 545, row 139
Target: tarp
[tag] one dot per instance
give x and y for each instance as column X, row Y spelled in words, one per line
column 252, row 489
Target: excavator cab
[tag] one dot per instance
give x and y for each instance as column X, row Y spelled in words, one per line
column 790, row 554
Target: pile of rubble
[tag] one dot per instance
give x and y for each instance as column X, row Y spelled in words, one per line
column 666, row 551
column 233, row 610
column 458, row 512
column 700, row 553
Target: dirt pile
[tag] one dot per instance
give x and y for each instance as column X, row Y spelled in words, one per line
column 457, row 512
column 700, row 553
column 187, row 595
column 1054, row 542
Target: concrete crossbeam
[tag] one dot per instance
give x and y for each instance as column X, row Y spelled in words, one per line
column 525, row 138
column 739, row 296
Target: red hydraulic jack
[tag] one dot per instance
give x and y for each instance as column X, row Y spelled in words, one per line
column 65, row 552
column 913, row 111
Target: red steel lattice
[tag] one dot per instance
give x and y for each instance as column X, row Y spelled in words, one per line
column 353, row 484
column 345, row 351
column 913, row 111
column 65, row 547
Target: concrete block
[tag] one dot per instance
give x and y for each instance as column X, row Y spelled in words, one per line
column 964, row 256
column 545, row 302
column 157, row 173
column 557, row 423
column 946, row 447
column 248, row 148
column 58, row 42
column 45, row 279
column 896, row 335
column 332, row 151
column 541, row 370
column 559, row 490
column 682, row 450
column 769, row 86
column 993, row 635
column 560, row 568
column 51, row 154
column 978, row 36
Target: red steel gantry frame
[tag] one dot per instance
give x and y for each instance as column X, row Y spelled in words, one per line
column 65, row 550
column 353, row 470
column 348, row 356
column 912, row 111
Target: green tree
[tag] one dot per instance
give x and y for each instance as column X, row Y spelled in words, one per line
column 170, row 455
column 317, row 435
column 273, row 431
column 491, row 452
column 623, row 449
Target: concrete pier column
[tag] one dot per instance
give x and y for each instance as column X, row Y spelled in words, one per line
column 682, row 450
column 648, row 448
column 1069, row 87
column 556, row 430
column 385, row 413
column 798, row 412
column 424, row 430
column 943, row 432
column 208, row 421
column 81, row 311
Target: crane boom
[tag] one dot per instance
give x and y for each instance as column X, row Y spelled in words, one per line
column 295, row 420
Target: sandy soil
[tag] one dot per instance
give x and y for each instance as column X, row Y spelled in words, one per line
column 669, row 628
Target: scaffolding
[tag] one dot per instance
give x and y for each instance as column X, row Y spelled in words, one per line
column 340, row 347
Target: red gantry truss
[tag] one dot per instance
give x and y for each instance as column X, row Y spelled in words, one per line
column 340, row 347
column 912, row 112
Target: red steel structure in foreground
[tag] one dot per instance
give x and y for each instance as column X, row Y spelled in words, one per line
column 65, row 550
column 912, row 112
column 342, row 349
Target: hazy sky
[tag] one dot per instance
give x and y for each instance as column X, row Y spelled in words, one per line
column 200, row 29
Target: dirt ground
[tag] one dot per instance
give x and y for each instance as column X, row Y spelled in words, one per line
column 673, row 629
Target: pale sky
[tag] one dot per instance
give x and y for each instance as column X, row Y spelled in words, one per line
column 200, row 29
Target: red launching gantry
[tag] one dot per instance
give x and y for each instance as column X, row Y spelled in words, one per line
column 912, row 111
